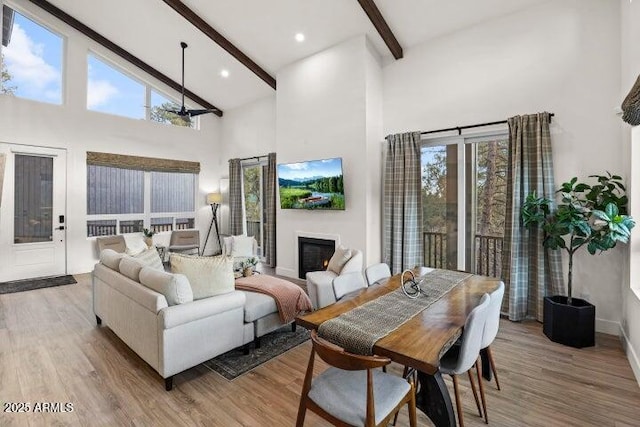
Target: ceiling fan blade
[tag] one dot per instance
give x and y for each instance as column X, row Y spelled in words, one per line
column 176, row 112
column 194, row 113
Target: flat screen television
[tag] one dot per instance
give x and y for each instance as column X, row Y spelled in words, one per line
column 315, row 184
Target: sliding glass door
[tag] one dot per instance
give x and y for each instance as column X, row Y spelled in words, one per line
column 253, row 181
column 463, row 194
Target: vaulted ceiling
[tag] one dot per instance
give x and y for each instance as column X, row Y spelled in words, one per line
column 264, row 30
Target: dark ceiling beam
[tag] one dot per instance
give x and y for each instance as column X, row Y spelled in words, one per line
column 71, row 21
column 385, row 32
column 210, row 32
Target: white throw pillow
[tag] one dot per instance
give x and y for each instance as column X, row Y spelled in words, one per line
column 242, row 246
column 175, row 287
column 135, row 243
column 208, row 276
column 340, row 257
column 150, row 258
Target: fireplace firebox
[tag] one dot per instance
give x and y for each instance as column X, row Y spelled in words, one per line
column 314, row 254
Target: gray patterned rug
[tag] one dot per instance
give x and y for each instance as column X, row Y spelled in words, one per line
column 234, row 363
column 31, row 284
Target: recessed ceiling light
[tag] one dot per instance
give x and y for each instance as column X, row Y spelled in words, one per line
column 299, row 37
column 224, row 73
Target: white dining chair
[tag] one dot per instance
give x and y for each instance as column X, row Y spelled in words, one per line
column 460, row 359
column 347, row 283
column 377, row 272
column 489, row 334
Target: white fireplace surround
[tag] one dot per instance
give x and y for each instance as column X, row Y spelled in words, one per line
column 294, row 273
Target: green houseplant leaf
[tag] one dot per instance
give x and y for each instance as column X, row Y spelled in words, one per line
column 594, row 216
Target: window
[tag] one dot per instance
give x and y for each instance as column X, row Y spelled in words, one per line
column 127, row 200
column 111, row 91
column 253, row 181
column 31, row 60
column 158, row 112
column 464, row 202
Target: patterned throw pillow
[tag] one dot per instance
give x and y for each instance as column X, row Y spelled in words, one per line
column 340, row 257
column 150, row 258
column 208, row 276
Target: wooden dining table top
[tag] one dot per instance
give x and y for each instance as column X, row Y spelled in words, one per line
column 420, row 342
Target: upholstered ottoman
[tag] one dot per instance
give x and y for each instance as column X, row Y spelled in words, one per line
column 263, row 310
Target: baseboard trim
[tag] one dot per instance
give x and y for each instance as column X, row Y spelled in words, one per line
column 608, row 327
column 286, row 272
column 632, row 356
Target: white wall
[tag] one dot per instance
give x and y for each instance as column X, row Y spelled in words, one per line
column 322, row 109
column 630, row 325
column 77, row 130
column 548, row 57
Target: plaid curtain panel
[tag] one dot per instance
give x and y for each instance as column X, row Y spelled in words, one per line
column 236, row 226
column 402, row 203
column 270, row 212
column 530, row 271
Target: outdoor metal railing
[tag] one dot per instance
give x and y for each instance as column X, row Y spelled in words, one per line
column 488, row 251
column 253, row 229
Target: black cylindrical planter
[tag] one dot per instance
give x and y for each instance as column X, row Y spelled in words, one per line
column 573, row 325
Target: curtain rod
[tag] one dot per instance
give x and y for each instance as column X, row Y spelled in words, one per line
column 461, row 128
column 254, row 157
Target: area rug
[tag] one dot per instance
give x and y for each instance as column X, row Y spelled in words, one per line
column 30, row 284
column 234, row 363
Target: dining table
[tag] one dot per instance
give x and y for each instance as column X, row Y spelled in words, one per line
column 421, row 341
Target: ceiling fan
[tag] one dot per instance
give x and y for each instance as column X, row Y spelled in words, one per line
column 183, row 111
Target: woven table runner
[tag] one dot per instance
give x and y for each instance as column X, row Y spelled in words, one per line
column 358, row 330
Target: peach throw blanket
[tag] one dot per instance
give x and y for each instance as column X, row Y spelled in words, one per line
column 290, row 298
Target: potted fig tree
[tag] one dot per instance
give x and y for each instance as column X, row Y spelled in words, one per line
column 589, row 216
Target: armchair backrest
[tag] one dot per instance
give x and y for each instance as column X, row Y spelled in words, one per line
column 116, row 243
column 185, row 237
column 354, row 264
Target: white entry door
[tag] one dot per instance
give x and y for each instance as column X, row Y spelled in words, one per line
column 32, row 212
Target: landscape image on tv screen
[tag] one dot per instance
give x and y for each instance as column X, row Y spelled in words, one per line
column 314, row 184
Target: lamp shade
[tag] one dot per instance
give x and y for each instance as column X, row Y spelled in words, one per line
column 214, row 198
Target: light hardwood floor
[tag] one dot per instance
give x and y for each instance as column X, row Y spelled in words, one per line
column 52, row 351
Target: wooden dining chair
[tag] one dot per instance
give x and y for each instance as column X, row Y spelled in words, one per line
column 376, row 272
column 352, row 392
column 489, row 334
column 460, row 359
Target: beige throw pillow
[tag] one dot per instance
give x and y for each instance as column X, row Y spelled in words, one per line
column 208, row 276
column 340, row 257
column 175, row 287
column 130, row 267
column 111, row 259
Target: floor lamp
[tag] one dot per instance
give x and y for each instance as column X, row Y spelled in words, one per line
column 214, row 199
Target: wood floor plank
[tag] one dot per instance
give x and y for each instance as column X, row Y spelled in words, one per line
column 52, row 350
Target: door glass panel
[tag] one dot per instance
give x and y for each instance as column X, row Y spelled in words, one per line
column 253, row 202
column 33, row 199
column 488, row 204
column 440, row 205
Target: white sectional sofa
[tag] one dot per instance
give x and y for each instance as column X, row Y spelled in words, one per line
column 170, row 338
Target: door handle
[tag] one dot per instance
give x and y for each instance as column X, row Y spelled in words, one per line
column 60, row 228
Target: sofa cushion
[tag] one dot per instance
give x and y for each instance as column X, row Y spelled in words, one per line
column 258, row 305
column 242, row 246
column 175, row 287
column 110, row 258
column 135, row 243
column 130, row 267
column 339, row 259
column 208, row 276
column 150, row 258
